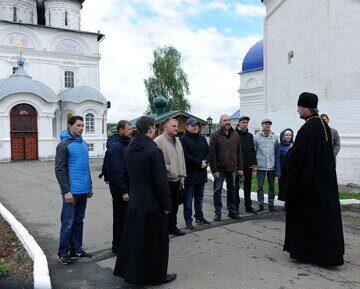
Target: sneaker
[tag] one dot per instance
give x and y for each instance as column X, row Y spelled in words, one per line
column 202, row 221
column 272, row 209
column 234, row 216
column 80, row 255
column 217, row 218
column 65, row 260
column 189, row 226
column 260, row 208
column 176, row 231
column 250, row 210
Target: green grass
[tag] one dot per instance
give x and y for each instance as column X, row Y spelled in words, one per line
column 4, row 270
column 254, row 183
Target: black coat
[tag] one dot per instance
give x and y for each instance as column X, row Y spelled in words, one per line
column 144, row 249
column 115, row 146
column 247, row 147
column 196, row 150
column 314, row 230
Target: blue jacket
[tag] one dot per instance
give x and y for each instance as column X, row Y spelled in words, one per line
column 115, row 146
column 72, row 166
column 281, row 151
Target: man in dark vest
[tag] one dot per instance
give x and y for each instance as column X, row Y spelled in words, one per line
column 314, row 230
column 144, row 248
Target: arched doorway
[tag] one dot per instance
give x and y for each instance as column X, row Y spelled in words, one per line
column 23, row 132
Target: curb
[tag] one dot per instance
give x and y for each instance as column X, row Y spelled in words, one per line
column 40, row 270
column 281, row 203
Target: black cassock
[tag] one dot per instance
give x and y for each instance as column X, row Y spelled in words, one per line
column 144, row 249
column 314, row 230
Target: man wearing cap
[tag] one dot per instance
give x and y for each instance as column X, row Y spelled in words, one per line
column 197, row 156
column 226, row 162
column 313, row 218
column 250, row 163
column 265, row 143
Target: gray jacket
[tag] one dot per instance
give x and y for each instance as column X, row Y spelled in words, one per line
column 335, row 140
column 265, row 150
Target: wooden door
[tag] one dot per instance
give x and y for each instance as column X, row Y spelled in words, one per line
column 23, row 131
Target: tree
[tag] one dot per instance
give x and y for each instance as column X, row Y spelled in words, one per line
column 168, row 80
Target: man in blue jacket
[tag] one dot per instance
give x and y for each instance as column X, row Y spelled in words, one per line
column 114, row 156
column 72, row 170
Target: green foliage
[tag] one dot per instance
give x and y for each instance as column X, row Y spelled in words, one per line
column 111, row 128
column 343, row 195
column 4, row 270
column 168, row 80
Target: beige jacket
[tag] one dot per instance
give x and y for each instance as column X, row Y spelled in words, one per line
column 174, row 157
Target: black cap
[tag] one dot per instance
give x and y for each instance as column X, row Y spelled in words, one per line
column 244, row 117
column 308, row 100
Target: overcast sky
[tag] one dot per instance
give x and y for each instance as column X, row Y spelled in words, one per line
column 213, row 37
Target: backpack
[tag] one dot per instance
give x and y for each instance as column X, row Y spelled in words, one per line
column 105, row 168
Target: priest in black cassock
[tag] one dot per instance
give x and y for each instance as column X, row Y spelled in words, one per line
column 314, row 230
column 144, row 249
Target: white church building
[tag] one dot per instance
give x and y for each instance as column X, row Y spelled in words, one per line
column 56, row 77
column 308, row 46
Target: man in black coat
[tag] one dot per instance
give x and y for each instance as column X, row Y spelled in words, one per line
column 314, row 230
column 250, row 163
column 144, row 249
column 114, row 157
column 197, row 156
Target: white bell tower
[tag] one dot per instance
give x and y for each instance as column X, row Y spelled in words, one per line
column 23, row 11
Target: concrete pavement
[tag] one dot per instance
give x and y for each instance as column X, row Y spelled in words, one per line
column 246, row 254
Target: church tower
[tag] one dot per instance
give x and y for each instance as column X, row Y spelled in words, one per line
column 18, row 11
column 64, row 14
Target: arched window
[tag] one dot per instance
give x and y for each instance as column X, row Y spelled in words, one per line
column 89, row 123
column 66, row 19
column 15, row 16
column 54, row 127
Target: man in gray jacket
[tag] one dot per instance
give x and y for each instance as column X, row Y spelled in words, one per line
column 265, row 143
column 334, row 135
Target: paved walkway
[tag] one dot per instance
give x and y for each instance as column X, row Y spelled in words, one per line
column 246, row 254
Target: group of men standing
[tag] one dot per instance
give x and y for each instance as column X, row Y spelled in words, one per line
column 149, row 177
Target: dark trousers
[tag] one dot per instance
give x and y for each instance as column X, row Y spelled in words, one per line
column 246, row 181
column 120, row 208
column 174, row 188
column 260, row 190
column 230, row 186
column 193, row 192
column 72, row 223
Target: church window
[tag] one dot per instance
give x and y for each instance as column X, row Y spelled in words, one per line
column 91, row 147
column 69, row 79
column 15, row 18
column 54, row 127
column 14, row 69
column 66, row 19
column 49, row 18
column 89, row 123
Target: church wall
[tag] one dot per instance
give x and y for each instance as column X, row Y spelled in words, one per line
column 55, row 14
column 26, row 10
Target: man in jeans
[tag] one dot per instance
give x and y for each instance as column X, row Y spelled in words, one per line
column 176, row 169
column 72, row 171
column 197, row 156
column 265, row 143
column 226, row 162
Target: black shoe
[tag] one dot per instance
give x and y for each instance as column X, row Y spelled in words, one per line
column 65, row 260
column 80, row 255
column 250, row 210
column 272, row 209
column 176, row 232
column 260, row 208
column 202, row 221
column 189, row 226
column 217, row 218
column 234, row 216
column 169, row 278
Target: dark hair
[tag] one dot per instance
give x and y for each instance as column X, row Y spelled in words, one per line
column 144, row 123
column 324, row 115
column 73, row 119
column 122, row 124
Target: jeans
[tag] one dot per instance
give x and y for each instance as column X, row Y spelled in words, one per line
column 120, row 208
column 174, row 188
column 230, row 186
column 196, row 192
column 72, row 223
column 260, row 189
column 247, row 188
